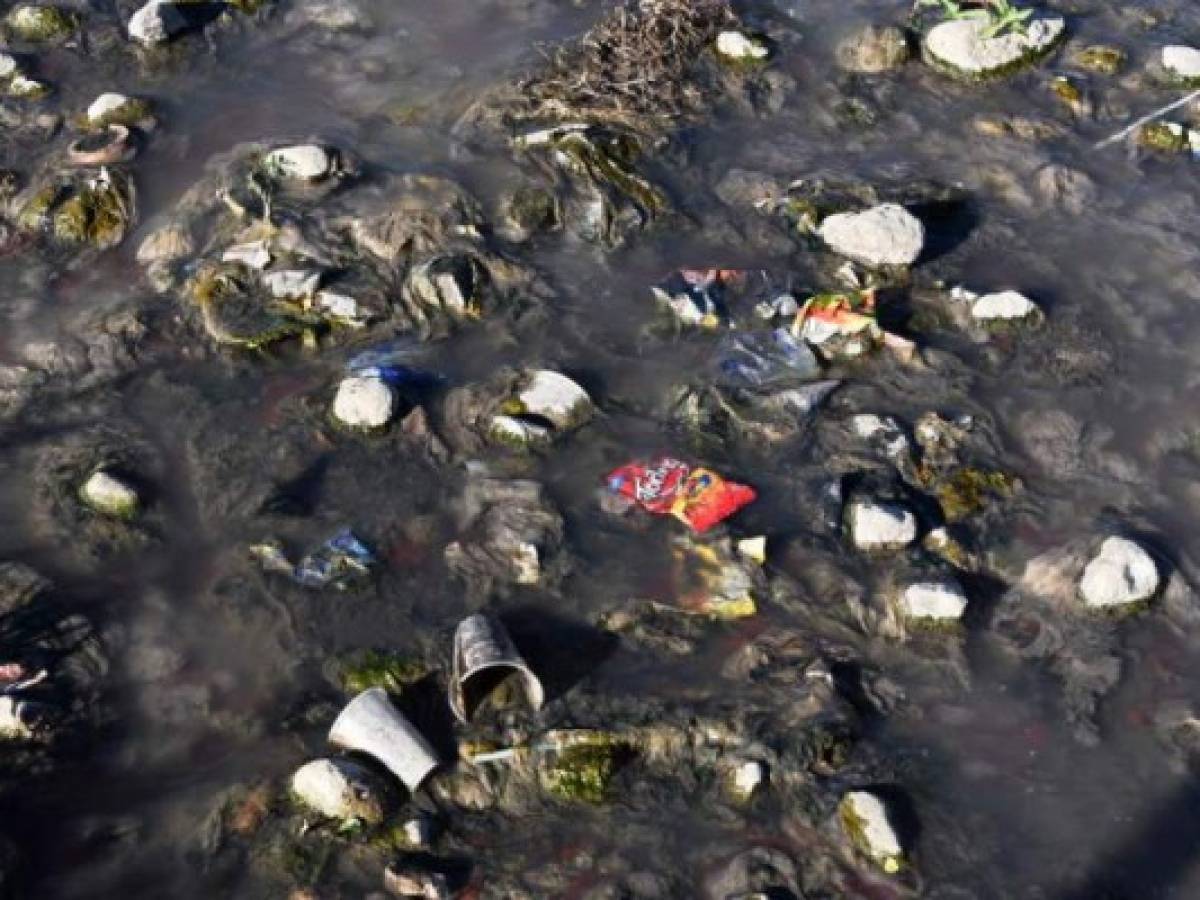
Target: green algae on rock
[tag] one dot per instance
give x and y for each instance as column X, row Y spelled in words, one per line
column 39, row 24
column 962, row 48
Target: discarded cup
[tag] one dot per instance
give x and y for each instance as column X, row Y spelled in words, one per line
column 484, row 655
column 370, row 724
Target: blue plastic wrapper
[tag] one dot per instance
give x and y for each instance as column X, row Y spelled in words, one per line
column 764, row 359
column 389, row 363
column 339, row 561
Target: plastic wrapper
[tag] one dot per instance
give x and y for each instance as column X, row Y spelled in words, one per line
column 338, row 563
column 390, row 363
column 764, row 359
column 846, row 324
column 698, row 497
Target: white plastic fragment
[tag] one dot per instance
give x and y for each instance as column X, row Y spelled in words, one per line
column 364, row 402
column 1121, row 573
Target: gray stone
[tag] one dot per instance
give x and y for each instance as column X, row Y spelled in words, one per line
column 939, row 601
column 109, row 495
column 886, row 235
column 867, row 822
column 1121, row 573
column 872, row 49
column 303, row 162
column 959, row 46
column 1005, row 306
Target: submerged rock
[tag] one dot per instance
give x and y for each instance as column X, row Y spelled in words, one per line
column 963, row 48
column 737, row 46
column 117, row 109
column 1005, row 306
column 880, row 524
column 885, row 235
column 341, row 789
column 303, row 162
column 867, row 823
column 157, row 22
column 1121, row 573
column 873, row 49
column 364, row 402
column 1182, row 64
column 40, row 24
column 107, row 494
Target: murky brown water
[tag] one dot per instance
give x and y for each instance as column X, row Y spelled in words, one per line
column 215, row 672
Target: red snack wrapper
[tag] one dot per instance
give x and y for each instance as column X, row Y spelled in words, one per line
column 698, row 497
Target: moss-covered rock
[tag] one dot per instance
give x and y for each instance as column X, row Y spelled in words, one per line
column 1165, row 137
column 40, row 24
column 582, row 771
column 968, row 490
column 1101, row 58
column 373, row 668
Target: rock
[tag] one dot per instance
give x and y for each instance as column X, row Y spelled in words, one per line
column 958, row 47
column 168, row 244
column 118, row 109
column 104, row 106
column 518, row 432
column 737, row 46
column 886, row 235
column 8, row 66
column 18, row 719
column 1005, row 306
column 40, row 24
column 873, row 49
column 746, row 777
column 881, row 525
column 1121, row 573
column 341, row 789
column 292, row 284
column 420, row 832
column 1066, row 187
column 557, row 398
column 1100, row 58
column 303, row 162
column 157, row 22
column 253, row 254
column 1182, row 63
column 410, row 881
column 364, row 402
column 864, row 816
column 938, row 601
column 111, row 496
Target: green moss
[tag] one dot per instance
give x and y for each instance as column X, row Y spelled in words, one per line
column 1166, row 137
column 582, row 774
column 40, row 24
column 97, row 214
column 237, row 315
column 828, row 746
column 533, row 208
column 1100, row 58
column 35, row 213
column 128, row 114
column 968, row 490
column 378, row 669
column 1066, row 90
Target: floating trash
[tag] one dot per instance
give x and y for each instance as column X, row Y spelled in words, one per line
column 370, row 724
column 338, row 563
column 700, row 498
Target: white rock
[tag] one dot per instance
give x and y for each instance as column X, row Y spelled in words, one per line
column 23, row 86
column 303, row 162
column 747, row 777
column 886, row 235
column 937, row 600
column 1122, row 572
column 110, row 495
column 420, row 832
column 881, row 525
column 292, row 284
column 885, row 429
column 557, row 398
column 253, row 254
column 8, row 66
column 1182, row 62
column 105, row 105
column 340, row 789
column 167, row 244
column 865, row 816
column 156, row 23
column 511, row 430
column 1003, row 306
column 735, row 45
column 364, row 402
column 960, row 45
column 340, row 306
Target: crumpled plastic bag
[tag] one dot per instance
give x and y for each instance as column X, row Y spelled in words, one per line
column 764, row 359
column 698, row 497
column 827, row 320
column 337, row 563
column 389, row 362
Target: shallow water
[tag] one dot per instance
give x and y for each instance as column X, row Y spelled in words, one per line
column 213, row 668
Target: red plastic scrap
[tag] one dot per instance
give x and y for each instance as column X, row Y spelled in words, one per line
column 696, row 496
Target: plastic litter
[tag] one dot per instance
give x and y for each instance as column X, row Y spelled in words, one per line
column 698, row 497
column 764, row 359
column 850, row 317
column 370, row 724
column 483, row 654
column 390, row 363
column 338, row 563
